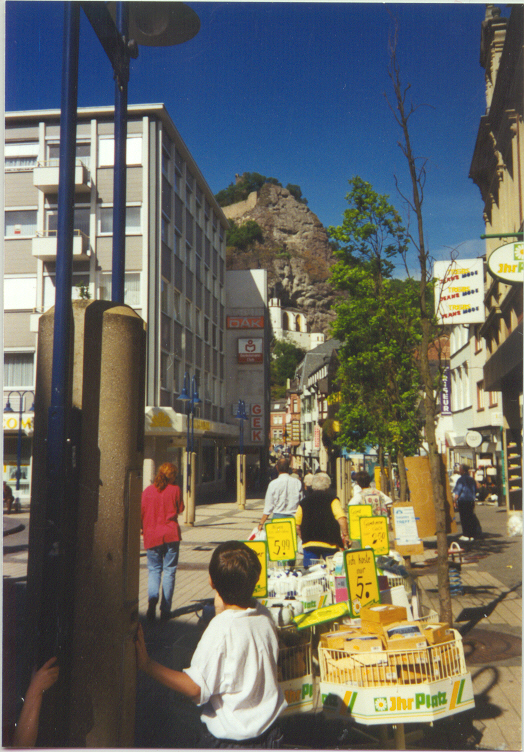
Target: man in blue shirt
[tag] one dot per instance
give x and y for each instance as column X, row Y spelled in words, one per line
column 464, row 494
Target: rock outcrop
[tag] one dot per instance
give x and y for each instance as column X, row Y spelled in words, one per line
column 295, row 251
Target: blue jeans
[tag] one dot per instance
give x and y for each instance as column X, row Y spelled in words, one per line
column 316, row 552
column 162, row 560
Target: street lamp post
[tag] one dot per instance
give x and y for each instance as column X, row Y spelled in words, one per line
column 241, row 458
column 9, row 409
column 189, row 396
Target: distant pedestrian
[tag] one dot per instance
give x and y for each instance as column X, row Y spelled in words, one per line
column 8, row 497
column 283, row 494
column 464, row 495
column 161, row 505
column 367, row 495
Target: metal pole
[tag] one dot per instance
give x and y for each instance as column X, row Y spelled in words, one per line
column 119, row 186
column 19, row 442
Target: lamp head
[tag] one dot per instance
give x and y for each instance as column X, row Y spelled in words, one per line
column 184, row 394
column 8, row 408
column 161, row 24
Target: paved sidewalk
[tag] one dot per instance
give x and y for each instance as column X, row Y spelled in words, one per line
column 489, row 615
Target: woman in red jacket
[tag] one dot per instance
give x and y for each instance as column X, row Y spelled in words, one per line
column 161, row 505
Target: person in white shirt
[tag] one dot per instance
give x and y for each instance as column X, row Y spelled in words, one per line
column 283, row 494
column 233, row 672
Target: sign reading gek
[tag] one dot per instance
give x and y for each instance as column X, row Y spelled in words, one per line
column 281, row 537
column 257, row 423
column 374, row 534
column 251, row 350
column 459, row 291
column 362, row 580
column 260, row 548
column 507, row 263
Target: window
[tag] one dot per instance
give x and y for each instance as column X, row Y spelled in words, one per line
column 80, row 220
column 106, row 151
column 21, row 156
column 18, row 369
column 480, row 395
column 133, row 220
column 82, row 153
column 164, row 363
column 188, row 314
column 176, row 304
column 493, row 399
column 131, row 288
column 20, row 223
column 20, row 293
column 198, row 323
column 478, row 340
column 80, row 283
column 164, row 296
column 277, row 420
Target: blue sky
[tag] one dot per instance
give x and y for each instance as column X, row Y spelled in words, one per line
column 295, row 91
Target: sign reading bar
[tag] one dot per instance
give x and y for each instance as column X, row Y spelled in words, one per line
column 245, row 322
column 250, row 350
column 459, row 291
column 260, row 548
column 362, row 580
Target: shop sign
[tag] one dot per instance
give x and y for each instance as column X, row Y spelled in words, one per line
column 355, row 512
column 423, row 703
column 445, row 393
column 245, row 322
column 507, row 263
column 11, row 422
column 251, row 350
column 299, row 694
column 459, row 291
column 406, row 531
column 316, row 439
column 474, row 439
column 256, row 421
column 202, row 425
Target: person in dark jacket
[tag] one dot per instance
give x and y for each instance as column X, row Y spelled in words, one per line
column 321, row 522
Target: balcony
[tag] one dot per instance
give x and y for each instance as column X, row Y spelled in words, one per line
column 45, row 243
column 45, row 177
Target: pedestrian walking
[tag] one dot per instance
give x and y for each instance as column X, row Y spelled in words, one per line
column 464, row 495
column 8, row 497
column 367, row 495
column 161, row 505
column 321, row 522
column 283, row 494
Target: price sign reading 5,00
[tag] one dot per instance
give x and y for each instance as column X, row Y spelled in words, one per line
column 281, row 537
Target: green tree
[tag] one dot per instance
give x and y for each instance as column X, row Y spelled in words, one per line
column 249, row 182
column 244, row 235
column 377, row 320
column 296, row 192
column 285, row 357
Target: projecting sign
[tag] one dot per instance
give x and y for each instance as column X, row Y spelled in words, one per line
column 245, row 322
column 250, row 350
column 507, row 263
column 459, row 291
column 474, row 439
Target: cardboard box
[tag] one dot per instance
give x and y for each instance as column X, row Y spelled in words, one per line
column 405, row 636
column 337, row 640
column 437, row 633
column 363, row 643
column 385, row 613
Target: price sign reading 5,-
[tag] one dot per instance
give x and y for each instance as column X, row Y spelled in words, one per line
column 281, row 537
column 362, row 580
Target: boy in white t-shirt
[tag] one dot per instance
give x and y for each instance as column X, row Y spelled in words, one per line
column 233, row 672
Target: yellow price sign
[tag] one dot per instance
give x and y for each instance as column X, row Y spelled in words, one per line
column 355, row 512
column 374, row 534
column 322, row 615
column 260, row 548
column 281, row 539
column 362, row 580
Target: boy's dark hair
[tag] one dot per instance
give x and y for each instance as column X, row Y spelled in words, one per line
column 363, row 479
column 234, row 570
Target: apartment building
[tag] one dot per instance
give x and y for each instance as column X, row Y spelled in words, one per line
column 174, row 272
column 497, row 168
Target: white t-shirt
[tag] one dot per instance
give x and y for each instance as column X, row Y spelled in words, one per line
column 235, row 666
column 283, row 495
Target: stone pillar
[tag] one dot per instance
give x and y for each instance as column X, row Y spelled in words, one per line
column 241, row 480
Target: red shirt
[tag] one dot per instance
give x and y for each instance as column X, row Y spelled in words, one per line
column 160, row 510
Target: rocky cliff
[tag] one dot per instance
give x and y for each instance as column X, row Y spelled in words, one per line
column 295, row 251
